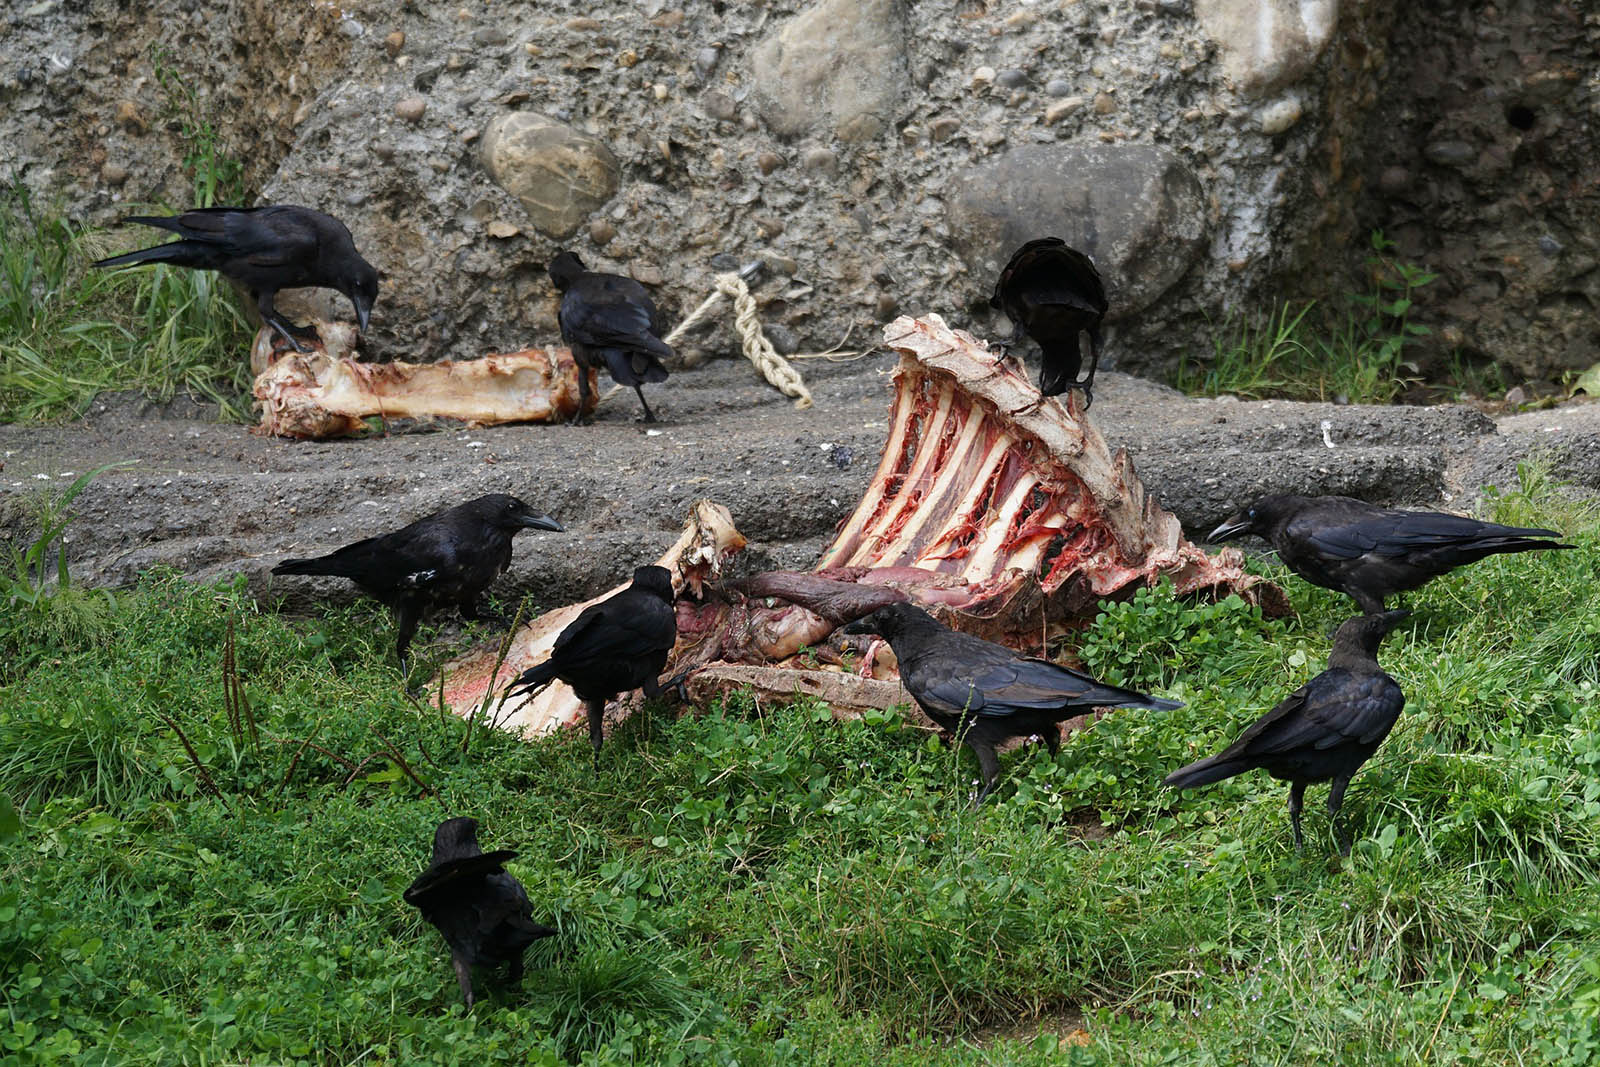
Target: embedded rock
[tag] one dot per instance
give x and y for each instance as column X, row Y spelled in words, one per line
column 1136, row 210
column 559, row 174
column 841, row 64
column 1266, row 44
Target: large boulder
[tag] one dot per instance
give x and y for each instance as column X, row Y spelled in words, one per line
column 1136, row 209
column 841, row 65
column 560, row 175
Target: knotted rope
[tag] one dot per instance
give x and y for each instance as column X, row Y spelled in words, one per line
column 757, row 349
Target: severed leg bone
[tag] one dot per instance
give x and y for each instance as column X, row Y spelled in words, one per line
column 324, row 393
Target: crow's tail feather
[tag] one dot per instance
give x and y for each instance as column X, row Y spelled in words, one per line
column 182, row 253
column 330, row 565
column 531, row 680
column 1204, row 772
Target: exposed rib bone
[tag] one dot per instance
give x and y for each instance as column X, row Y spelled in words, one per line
column 1059, row 499
column 323, row 393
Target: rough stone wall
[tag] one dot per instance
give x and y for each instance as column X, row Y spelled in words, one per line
column 1487, row 168
column 880, row 155
column 84, row 117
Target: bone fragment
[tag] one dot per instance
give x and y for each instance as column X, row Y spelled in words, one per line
column 325, row 393
column 708, row 538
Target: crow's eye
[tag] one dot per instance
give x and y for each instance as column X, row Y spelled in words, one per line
column 511, row 505
column 1251, row 514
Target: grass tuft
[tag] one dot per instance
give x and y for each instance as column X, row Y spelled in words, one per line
column 786, row 889
column 69, row 332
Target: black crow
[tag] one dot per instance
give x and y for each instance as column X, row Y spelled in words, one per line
column 264, row 249
column 1324, row 730
column 1369, row 552
column 1052, row 293
column 483, row 912
column 447, row 558
column 985, row 693
column 615, row 646
column 609, row 321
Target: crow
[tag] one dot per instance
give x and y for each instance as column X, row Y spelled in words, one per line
column 985, row 693
column 264, row 249
column 1324, row 730
column 608, row 320
column 483, row 912
column 615, row 646
column 1368, row 552
column 1052, row 293
column 447, row 558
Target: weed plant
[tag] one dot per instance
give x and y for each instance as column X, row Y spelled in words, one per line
column 1357, row 355
column 192, row 877
column 69, row 332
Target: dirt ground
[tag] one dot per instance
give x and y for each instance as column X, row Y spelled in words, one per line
column 212, row 499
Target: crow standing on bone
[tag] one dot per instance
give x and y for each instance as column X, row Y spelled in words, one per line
column 609, row 321
column 483, row 912
column 264, row 249
column 612, row 647
column 1052, row 293
column 449, row 557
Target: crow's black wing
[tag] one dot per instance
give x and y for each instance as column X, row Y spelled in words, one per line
column 1398, row 533
column 1048, row 271
column 623, row 627
column 452, row 875
column 605, row 311
column 1334, row 708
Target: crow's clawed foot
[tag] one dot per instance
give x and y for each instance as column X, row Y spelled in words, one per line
column 677, row 686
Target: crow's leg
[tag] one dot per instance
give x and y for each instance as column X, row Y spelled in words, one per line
column 653, row 688
column 1087, row 385
column 471, row 613
column 989, row 764
column 464, row 978
column 288, row 330
column 583, row 388
column 649, row 416
column 1002, row 349
column 1369, row 603
column 1297, row 800
column 597, row 719
column 516, row 968
column 408, row 613
column 1335, row 802
column 1052, row 739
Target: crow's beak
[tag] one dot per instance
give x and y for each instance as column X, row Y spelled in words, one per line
column 1230, row 529
column 1395, row 618
column 363, row 313
column 542, row 522
column 861, row 626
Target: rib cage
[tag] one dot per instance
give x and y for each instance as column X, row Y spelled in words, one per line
column 984, row 480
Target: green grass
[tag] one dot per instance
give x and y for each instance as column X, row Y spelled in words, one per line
column 734, row 888
column 69, row 332
column 1307, row 352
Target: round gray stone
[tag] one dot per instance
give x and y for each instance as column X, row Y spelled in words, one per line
column 840, row 63
column 1136, row 210
column 559, row 174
